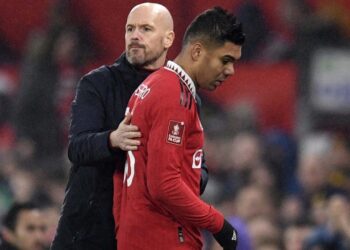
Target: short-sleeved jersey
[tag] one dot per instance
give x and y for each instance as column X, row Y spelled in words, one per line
column 160, row 206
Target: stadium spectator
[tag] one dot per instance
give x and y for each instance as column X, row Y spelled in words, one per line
column 23, row 228
column 334, row 233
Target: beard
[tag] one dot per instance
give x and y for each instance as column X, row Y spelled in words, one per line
column 144, row 57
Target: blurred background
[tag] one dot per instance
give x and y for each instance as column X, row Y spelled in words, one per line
column 277, row 132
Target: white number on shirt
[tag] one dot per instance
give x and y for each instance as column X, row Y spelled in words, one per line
column 132, row 169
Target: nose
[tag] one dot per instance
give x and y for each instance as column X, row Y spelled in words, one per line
column 135, row 34
column 38, row 236
column 229, row 70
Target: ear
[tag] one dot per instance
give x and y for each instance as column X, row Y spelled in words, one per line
column 169, row 39
column 197, row 51
column 8, row 235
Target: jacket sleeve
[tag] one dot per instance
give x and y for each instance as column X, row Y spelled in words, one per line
column 165, row 161
column 204, row 176
column 89, row 138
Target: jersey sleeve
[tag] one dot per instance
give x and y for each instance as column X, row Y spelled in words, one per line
column 165, row 160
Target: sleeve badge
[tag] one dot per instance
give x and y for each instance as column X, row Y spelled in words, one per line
column 175, row 132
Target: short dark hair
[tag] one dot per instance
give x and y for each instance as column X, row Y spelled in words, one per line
column 10, row 219
column 214, row 27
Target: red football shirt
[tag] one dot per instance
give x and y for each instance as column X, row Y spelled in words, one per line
column 160, row 207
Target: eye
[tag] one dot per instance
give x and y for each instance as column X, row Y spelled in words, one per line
column 30, row 228
column 225, row 61
column 43, row 228
column 147, row 28
column 129, row 28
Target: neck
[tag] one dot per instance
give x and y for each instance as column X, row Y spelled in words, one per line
column 158, row 63
column 154, row 66
column 183, row 63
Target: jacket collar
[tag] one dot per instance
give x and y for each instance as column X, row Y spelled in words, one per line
column 126, row 66
column 185, row 78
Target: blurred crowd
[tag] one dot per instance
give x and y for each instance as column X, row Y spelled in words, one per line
column 281, row 189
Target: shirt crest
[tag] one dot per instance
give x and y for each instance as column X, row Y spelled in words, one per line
column 175, row 132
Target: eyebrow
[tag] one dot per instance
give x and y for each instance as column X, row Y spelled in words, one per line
column 139, row 25
column 231, row 58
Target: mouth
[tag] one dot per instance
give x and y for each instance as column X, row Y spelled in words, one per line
column 135, row 46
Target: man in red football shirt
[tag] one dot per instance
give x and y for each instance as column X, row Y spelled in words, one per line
column 160, row 207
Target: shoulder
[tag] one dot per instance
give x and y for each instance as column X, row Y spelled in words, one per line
column 100, row 73
column 163, row 85
column 164, row 81
column 166, row 89
column 99, row 79
column 105, row 71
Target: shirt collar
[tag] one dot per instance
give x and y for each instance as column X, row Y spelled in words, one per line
column 186, row 79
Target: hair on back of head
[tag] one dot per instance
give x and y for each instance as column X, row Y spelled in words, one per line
column 214, row 27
